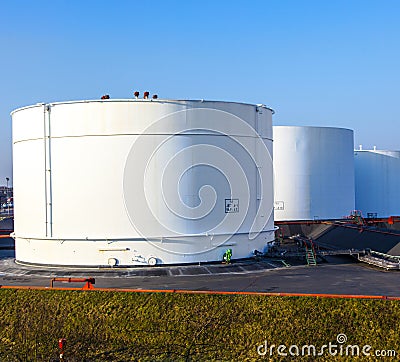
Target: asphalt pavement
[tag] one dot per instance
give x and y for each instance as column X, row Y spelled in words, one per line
column 339, row 275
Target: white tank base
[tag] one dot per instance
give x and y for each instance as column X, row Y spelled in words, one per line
column 126, row 253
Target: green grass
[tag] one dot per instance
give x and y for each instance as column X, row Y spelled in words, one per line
column 117, row 326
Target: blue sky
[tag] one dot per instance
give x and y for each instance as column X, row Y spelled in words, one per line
column 328, row 63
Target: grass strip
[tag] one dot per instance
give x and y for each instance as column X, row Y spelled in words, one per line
column 117, row 326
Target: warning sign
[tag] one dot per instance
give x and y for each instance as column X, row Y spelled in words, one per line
column 231, row 205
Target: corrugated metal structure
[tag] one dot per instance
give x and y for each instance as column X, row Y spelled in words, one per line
column 377, row 175
column 313, row 173
column 141, row 181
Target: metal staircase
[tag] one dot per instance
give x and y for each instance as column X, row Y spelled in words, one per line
column 311, row 257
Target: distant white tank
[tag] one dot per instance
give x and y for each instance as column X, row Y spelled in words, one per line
column 377, row 175
column 142, row 181
column 314, row 173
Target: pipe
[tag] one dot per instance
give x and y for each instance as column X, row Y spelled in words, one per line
column 47, row 169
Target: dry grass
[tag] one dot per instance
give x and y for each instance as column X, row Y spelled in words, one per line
column 115, row 326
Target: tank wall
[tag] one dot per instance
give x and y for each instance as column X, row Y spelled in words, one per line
column 29, row 178
column 377, row 176
column 313, row 173
column 125, row 180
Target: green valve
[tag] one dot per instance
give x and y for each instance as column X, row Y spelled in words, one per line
column 227, row 256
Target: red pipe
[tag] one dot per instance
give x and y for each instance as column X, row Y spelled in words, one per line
column 363, row 229
column 89, row 282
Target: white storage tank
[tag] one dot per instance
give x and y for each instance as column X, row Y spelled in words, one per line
column 314, row 173
column 377, row 175
column 141, row 181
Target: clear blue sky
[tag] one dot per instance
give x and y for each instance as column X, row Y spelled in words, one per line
column 328, row 63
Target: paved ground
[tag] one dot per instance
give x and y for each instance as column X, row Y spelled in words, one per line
column 340, row 275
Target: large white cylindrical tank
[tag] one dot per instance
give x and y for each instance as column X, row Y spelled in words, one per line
column 377, row 175
column 137, row 182
column 314, row 173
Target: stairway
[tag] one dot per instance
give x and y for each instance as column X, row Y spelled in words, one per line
column 310, row 256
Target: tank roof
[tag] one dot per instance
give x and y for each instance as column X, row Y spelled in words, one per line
column 133, row 100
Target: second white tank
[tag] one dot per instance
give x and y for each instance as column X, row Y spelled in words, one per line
column 313, row 173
